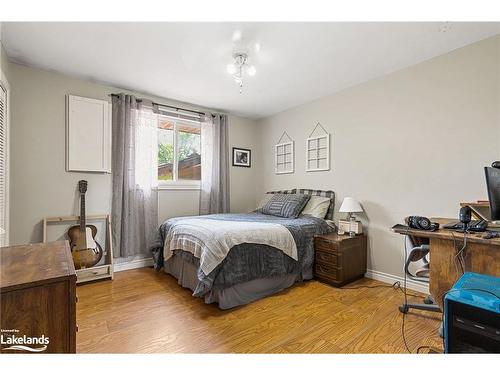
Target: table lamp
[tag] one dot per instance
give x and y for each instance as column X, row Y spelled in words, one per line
column 350, row 205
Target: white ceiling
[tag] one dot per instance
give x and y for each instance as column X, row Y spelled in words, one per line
column 297, row 62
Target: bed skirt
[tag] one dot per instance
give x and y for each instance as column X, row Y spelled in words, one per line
column 240, row 294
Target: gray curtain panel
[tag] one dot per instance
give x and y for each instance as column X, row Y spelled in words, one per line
column 134, row 209
column 214, row 192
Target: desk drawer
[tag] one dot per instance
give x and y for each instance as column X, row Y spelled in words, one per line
column 326, row 258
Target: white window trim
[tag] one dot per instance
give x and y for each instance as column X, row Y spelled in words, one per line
column 178, row 184
column 5, row 84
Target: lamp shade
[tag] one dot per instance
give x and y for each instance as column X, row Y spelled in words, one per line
column 350, row 205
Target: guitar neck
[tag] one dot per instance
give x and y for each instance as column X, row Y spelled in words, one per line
column 83, row 224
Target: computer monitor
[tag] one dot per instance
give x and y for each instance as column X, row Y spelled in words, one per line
column 493, row 186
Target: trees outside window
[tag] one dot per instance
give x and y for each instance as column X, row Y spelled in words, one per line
column 179, row 146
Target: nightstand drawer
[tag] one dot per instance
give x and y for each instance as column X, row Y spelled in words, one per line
column 325, row 271
column 325, row 245
column 326, row 258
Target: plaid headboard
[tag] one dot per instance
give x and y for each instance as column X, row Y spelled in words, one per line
column 321, row 193
column 293, row 191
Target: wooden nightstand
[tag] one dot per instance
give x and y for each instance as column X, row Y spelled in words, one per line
column 339, row 259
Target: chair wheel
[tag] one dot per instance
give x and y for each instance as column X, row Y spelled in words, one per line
column 403, row 308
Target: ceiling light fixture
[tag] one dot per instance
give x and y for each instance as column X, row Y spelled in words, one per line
column 239, row 67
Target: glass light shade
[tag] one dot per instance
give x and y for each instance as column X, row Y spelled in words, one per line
column 251, row 70
column 236, row 36
column 231, row 68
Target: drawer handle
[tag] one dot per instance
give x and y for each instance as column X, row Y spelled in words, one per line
column 76, row 298
column 76, row 328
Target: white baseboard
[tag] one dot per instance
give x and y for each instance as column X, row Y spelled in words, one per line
column 139, row 263
column 370, row 274
column 391, row 279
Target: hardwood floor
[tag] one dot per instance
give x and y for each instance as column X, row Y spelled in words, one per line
column 143, row 311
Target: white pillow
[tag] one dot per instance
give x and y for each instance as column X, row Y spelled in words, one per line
column 264, row 200
column 317, row 207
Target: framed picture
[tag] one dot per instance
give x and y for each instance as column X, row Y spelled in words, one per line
column 242, row 157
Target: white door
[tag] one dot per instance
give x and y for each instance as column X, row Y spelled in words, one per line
column 4, row 209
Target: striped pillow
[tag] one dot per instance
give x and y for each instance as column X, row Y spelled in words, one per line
column 321, row 193
column 285, row 205
column 269, row 195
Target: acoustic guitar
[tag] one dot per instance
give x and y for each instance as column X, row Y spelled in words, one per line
column 84, row 248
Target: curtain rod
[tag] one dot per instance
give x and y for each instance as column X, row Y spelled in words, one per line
column 168, row 106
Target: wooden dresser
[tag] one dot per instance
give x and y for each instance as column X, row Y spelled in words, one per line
column 339, row 259
column 37, row 290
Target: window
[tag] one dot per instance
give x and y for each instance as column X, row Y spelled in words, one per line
column 179, row 151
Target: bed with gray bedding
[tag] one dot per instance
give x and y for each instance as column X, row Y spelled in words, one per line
column 234, row 259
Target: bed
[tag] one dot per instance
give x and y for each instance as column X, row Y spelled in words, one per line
column 235, row 259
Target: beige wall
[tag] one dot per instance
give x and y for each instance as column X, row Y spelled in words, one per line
column 413, row 142
column 4, row 62
column 41, row 187
column 243, row 181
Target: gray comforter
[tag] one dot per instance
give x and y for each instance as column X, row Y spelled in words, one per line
column 249, row 261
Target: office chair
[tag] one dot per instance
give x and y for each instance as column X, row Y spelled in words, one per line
column 419, row 250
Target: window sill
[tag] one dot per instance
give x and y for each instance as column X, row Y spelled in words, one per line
column 175, row 186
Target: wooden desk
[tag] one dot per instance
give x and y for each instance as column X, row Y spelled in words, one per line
column 481, row 256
